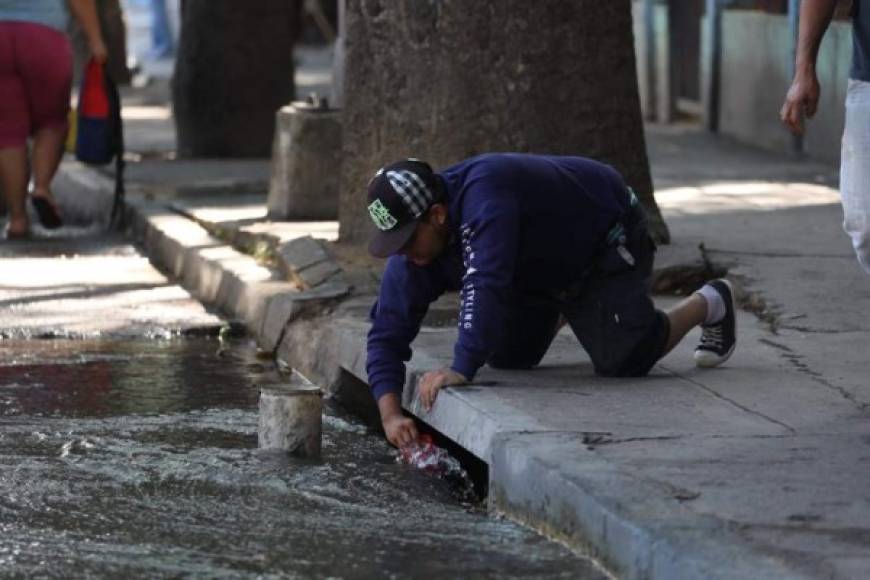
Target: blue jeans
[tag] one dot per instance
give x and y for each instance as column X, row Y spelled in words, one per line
column 855, row 170
column 162, row 45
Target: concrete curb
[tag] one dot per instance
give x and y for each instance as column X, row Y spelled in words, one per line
column 218, row 274
column 213, row 271
column 618, row 519
column 304, row 260
column 636, row 529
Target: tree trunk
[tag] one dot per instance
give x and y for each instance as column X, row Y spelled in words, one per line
column 446, row 79
column 233, row 71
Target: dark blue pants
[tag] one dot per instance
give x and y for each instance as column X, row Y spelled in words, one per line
column 610, row 312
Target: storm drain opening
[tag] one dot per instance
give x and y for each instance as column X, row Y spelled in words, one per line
column 470, row 483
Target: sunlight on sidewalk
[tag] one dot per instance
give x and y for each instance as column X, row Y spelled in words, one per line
column 730, row 196
column 146, row 113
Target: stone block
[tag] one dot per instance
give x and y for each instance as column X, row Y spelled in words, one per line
column 301, row 253
column 280, row 309
column 335, row 288
column 317, row 274
column 306, row 163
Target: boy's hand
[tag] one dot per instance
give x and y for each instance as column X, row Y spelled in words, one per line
column 400, row 430
column 432, row 382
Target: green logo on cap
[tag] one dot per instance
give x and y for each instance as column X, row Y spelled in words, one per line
column 381, row 216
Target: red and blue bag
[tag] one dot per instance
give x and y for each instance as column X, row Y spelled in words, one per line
column 99, row 129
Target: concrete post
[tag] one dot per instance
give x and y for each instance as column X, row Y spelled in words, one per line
column 664, row 61
column 338, row 57
column 173, row 10
column 291, row 419
column 306, row 163
column 713, row 69
column 647, row 68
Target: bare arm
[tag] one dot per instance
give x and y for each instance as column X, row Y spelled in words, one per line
column 803, row 95
column 85, row 13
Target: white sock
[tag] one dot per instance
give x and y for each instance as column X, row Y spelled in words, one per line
column 715, row 304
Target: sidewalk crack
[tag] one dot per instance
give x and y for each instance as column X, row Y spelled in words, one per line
column 730, row 401
column 795, row 360
column 803, row 368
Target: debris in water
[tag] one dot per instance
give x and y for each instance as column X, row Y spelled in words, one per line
column 435, row 461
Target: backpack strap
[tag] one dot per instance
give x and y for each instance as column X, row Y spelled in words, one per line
column 117, row 217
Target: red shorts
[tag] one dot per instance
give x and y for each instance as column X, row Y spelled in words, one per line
column 35, row 80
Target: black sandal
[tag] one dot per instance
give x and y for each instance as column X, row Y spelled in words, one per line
column 47, row 212
column 13, row 236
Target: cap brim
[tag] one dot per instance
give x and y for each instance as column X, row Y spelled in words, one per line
column 385, row 244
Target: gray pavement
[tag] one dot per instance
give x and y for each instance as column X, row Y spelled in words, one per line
column 755, row 469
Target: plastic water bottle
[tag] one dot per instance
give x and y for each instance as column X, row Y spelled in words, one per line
column 425, row 456
column 432, row 460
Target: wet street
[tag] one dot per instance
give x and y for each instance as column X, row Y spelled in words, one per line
column 128, row 437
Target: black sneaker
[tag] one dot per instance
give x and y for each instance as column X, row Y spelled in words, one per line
column 718, row 340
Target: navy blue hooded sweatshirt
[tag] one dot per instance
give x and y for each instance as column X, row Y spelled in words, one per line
column 519, row 223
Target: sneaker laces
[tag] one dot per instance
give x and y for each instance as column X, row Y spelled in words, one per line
column 712, row 337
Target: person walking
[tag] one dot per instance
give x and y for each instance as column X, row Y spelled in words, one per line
column 532, row 242
column 35, row 83
column 162, row 42
column 802, row 100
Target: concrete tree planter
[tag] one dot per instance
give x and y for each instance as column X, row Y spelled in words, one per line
column 306, row 163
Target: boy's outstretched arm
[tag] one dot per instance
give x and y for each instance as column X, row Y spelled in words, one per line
column 405, row 295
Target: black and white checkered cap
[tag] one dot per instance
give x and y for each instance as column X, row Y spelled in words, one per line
column 398, row 195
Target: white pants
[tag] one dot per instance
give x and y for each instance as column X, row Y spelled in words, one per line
column 855, row 170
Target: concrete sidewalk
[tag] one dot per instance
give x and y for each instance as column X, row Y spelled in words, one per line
column 757, row 469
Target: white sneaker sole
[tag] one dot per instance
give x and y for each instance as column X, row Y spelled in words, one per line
column 708, row 359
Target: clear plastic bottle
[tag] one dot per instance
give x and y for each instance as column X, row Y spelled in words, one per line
column 432, row 460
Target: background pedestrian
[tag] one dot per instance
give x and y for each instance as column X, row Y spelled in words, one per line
column 803, row 98
column 35, row 83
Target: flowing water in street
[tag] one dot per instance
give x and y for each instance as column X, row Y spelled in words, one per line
column 139, row 458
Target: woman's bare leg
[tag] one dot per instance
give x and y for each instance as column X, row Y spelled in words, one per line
column 47, row 152
column 14, row 176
